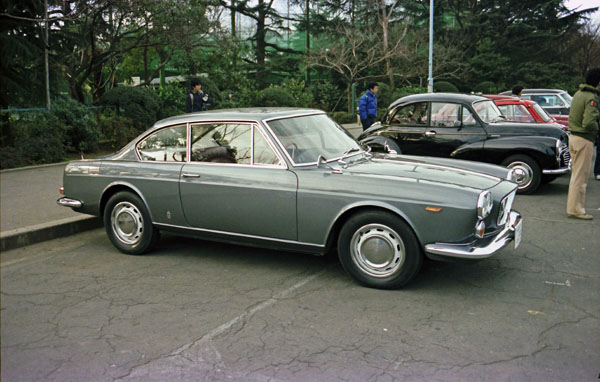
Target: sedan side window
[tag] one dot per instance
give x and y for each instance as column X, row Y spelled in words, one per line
column 166, row 145
column 222, row 143
column 444, row 114
column 412, row 114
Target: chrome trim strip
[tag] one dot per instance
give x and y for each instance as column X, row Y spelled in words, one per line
column 472, row 251
column 67, row 202
column 240, row 235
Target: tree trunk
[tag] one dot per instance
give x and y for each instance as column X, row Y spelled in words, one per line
column 260, row 48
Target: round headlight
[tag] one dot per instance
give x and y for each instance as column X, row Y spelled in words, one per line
column 484, row 204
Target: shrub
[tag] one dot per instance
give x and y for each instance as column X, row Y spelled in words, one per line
column 33, row 138
column 444, row 87
column 486, row 87
column 275, row 96
column 138, row 104
column 171, row 98
column 302, row 96
column 118, row 130
column 325, row 95
column 342, row 117
column 80, row 130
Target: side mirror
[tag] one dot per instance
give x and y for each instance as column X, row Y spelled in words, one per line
column 458, row 124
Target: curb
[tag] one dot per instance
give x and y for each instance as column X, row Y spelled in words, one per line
column 21, row 237
column 33, row 167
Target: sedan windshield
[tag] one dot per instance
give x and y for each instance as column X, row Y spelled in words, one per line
column 541, row 112
column 567, row 97
column 487, row 111
column 305, row 138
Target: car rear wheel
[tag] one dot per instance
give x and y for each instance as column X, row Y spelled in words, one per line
column 379, row 250
column 128, row 224
column 527, row 172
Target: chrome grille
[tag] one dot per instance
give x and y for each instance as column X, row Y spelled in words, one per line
column 564, row 156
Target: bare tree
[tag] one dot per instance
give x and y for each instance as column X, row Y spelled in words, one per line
column 352, row 53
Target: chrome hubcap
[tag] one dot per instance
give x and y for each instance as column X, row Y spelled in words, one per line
column 523, row 173
column 127, row 223
column 377, row 250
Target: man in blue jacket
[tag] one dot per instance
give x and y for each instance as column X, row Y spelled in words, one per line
column 367, row 106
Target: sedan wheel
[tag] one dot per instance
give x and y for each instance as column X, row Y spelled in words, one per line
column 527, row 173
column 379, row 250
column 128, row 224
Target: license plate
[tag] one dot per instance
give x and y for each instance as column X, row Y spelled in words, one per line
column 518, row 233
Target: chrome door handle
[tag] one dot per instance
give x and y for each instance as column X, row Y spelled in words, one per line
column 430, row 133
column 188, row 175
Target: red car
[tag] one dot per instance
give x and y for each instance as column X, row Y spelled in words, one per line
column 525, row 111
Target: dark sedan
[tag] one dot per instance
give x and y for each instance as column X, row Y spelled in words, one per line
column 471, row 127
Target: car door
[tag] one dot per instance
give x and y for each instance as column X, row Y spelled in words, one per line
column 407, row 127
column 235, row 182
column 452, row 126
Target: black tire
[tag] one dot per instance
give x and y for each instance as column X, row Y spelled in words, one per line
column 379, row 250
column 128, row 224
column 527, row 171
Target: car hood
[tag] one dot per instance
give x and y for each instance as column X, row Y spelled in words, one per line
column 461, row 173
column 516, row 128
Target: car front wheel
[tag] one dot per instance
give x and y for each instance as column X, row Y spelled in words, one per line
column 527, row 172
column 128, row 224
column 379, row 250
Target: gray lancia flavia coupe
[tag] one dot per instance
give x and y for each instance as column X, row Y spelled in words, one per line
column 294, row 179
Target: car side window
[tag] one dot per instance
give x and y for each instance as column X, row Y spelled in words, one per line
column 222, row 143
column 444, row 114
column 412, row 114
column 166, row 145
column 263, row 153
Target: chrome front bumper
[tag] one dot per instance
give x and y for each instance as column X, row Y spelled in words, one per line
column 511, row 232
column 558, row 171
column 67, row 202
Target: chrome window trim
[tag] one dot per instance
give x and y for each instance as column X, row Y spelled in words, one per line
column 282, row 147
column 240, row 235
column 253, row 125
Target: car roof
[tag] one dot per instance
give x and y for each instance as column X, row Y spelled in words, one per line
column 541, row 91
column 444, row 97
column 514, row 101
column 242, row 114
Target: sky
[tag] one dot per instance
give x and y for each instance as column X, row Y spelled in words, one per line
column 585, row 4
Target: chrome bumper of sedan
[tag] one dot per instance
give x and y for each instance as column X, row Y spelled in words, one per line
column 511, row 233
column 558, row 171
column 67, row 202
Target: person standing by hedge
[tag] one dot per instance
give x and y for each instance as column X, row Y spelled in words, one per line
column 367, row 106
column 196, row 100
column 583, row 124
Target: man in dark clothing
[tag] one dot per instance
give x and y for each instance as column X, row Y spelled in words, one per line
column 196, row 100
column 517, row 90
column 583, row 124
column 367, row 106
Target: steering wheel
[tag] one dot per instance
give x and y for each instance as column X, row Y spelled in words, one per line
column 292, row 148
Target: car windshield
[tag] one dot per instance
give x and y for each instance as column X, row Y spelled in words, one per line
column 305, row 138
column 567, row 97
column 487, row 111
column 541, row 112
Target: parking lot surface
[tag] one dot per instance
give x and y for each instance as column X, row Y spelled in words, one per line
column 75, row 309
